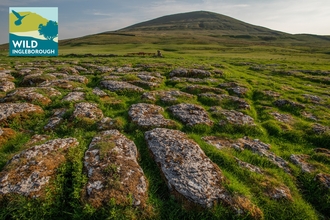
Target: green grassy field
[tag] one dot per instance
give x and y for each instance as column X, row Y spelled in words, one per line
column 290, row 71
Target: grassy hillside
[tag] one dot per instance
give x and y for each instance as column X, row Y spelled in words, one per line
column 201, row 20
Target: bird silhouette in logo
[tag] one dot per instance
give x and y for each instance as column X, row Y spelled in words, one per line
column 19, row 18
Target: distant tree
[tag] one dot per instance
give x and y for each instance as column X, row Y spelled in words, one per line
column 50, row 30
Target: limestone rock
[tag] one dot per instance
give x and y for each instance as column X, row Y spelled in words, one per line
column 284, row 102
column 6, row 86
column 248, row 166
column 233, row 117
column 279, row 192
column 320, row 129
column 190, row 174
column 180, row 72
column 234, row 88
column 87, row 110
column 218, row 142
column 11, row 110
column 197, row 89
column 29, row 172
column 60, row 83
column 256, row 146
column 56, row 119
column 115, row 86
column 271, row 93
column 99, row 92
column 312, row 98
column 113, row 171
column 74, row 97
column 36, row 79
column 190, row 114
column 300, row 160
column 32, row 94
column 165, row 96
column 149, row 115
column 6, row 77
column 324, row 179
column 193, row 80
column 285, row 118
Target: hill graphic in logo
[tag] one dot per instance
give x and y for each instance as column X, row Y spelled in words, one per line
column 33, row 31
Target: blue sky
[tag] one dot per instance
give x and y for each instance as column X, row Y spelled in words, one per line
column 82, row 17
column 50, row 13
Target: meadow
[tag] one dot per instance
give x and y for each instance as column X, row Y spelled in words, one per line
column 290, row 72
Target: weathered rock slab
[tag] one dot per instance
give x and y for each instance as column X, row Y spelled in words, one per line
column 113, row 171
column 232, row 117
column 180, row 72
column 118, row 86
column 29, row 172
column 87, row 110
column 149, row 115
column 165, row 96
column 74, row 97
column 6, row 86
column 191, row 114
column 11, row 110
column 190, row 174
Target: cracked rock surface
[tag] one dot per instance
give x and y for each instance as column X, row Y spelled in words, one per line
column 149, row 115
column 30, row 172
column 113, row 171
column 189, row 173
column 190, row 114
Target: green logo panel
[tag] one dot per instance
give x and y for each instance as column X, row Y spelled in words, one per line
column 33, row 31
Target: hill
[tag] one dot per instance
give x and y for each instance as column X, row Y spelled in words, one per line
column 200, row 27
column 201, row 20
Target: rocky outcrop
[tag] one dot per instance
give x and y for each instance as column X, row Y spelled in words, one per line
column 36, row 79
column 113, row 171
column 190, row 114
column 87, row 110
column 12, row 110
column 234, row 88
column 300, row 160
column 99, row 92
column 193, row 80
column 170, row 96
column 32, row 94
column 60, row 83
column 56, row 119
column 248, row 166
column 324, row 179
column 117, row 86
column 285, row 118
column 284, row 102
column 258, row 147
column 6, row 86
column 74, row 97
column 232, row 117
column 180, row 72
column 29, row 173
column 190, row 174
column 149, row 116
column 320, row 129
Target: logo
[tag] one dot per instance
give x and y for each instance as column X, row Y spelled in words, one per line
column 33, row 31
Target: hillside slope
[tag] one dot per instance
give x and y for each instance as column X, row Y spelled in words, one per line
column 201, row 20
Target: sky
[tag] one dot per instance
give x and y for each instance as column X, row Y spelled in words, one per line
column 78, row 18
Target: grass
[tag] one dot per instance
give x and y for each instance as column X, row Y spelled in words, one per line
column 252, row 64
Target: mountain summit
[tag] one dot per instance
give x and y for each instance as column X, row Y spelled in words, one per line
column 201, row 20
